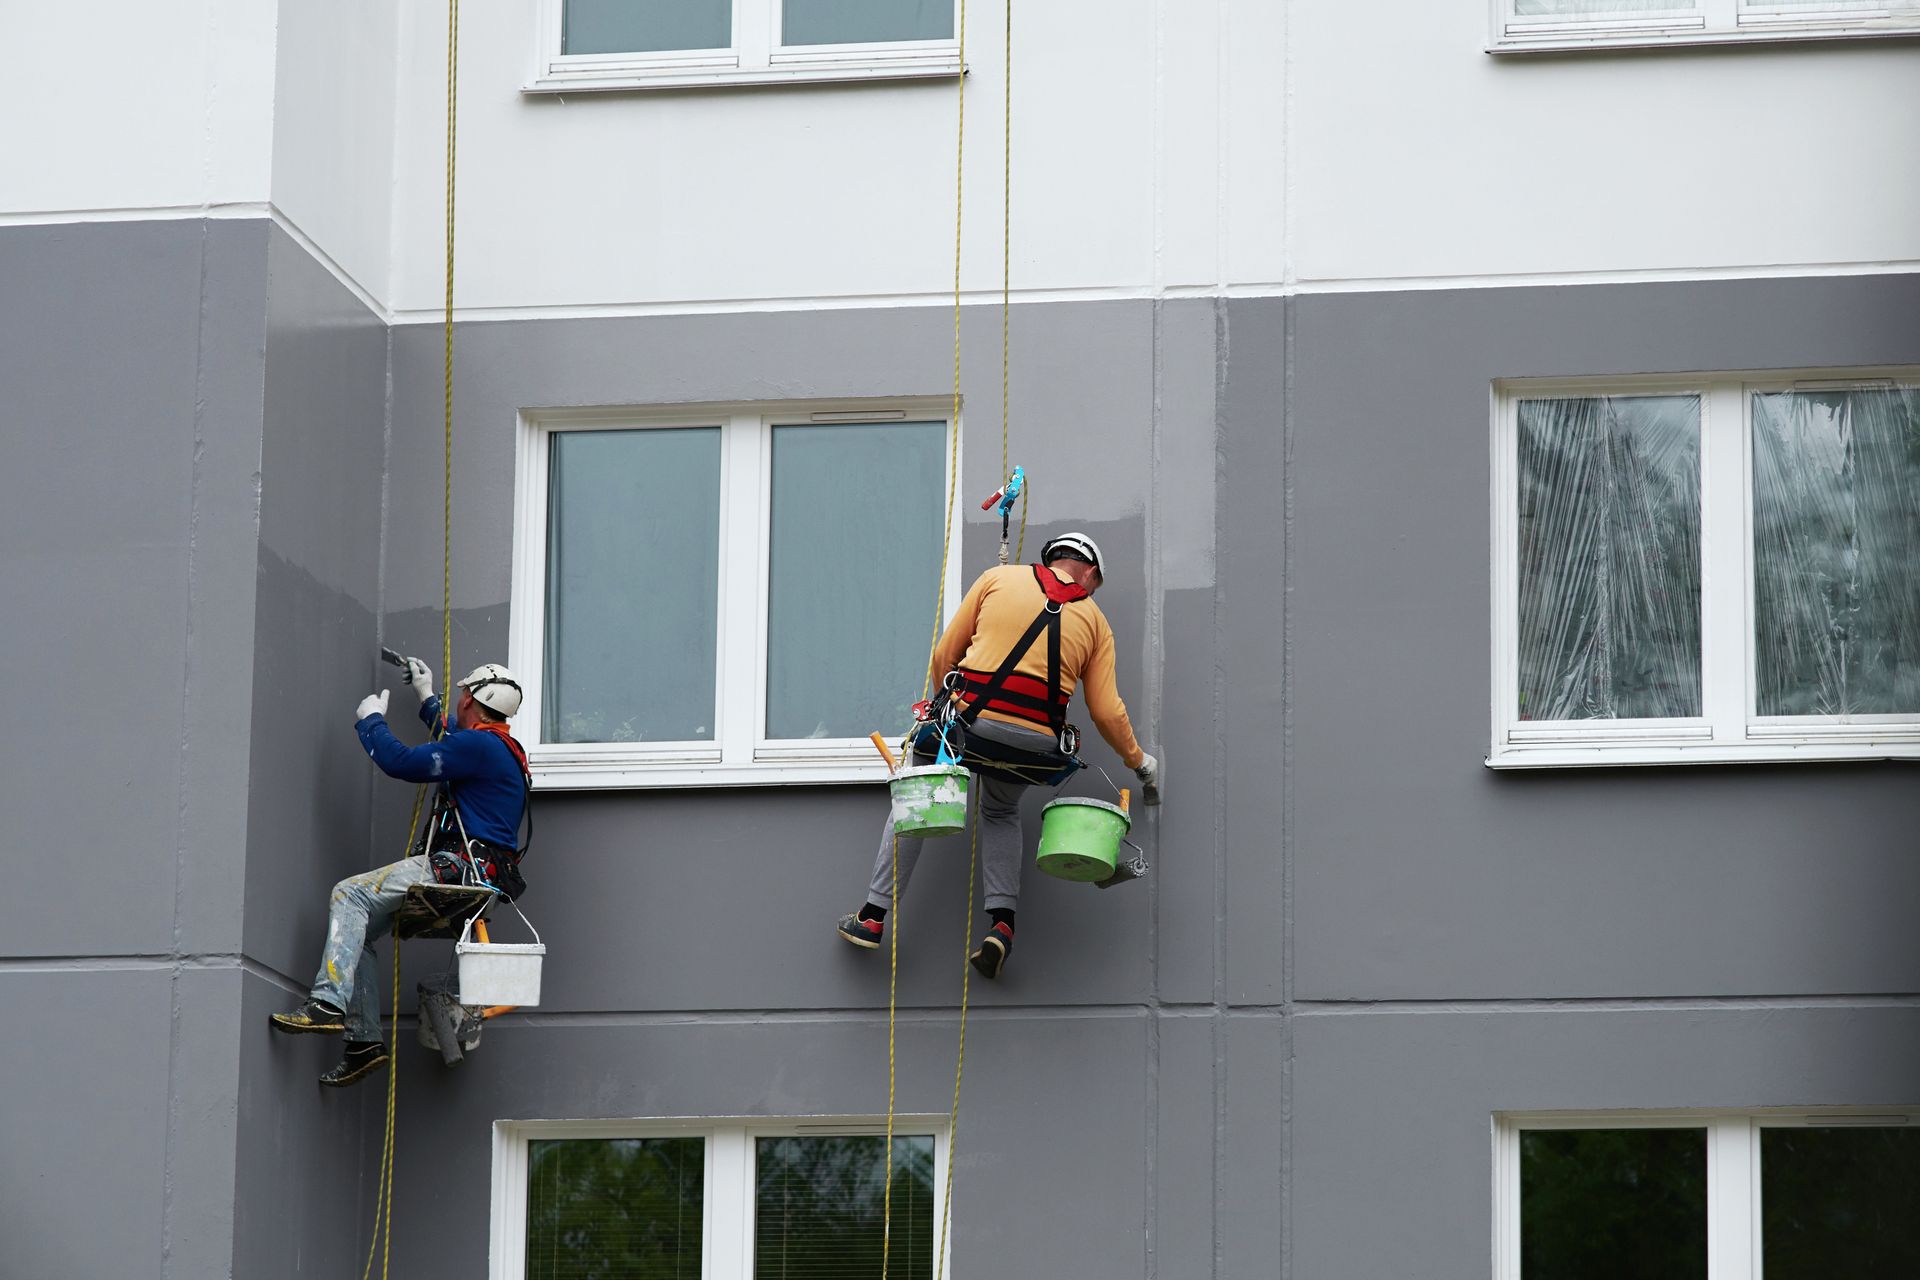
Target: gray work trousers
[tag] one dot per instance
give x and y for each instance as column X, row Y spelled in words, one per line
column 999, row 830
column 361, row 910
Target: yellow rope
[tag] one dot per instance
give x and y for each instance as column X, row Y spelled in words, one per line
column 953, row 424
column 383, row 1190
column 893, row 995
column 960, row 1061
column 446, row 500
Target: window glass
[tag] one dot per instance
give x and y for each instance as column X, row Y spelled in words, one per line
column 855, row 556
column 1836, row 540
column 1580, row 8
column 1840, row 1203
column 819, row 1208
column 645, row 26
column 627, row 1207
column 864, row 21
column 633, row 545
column 1602, row 1204
column 1609, row 608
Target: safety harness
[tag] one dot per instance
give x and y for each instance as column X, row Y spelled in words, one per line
column 966, row 693
column 456, row 858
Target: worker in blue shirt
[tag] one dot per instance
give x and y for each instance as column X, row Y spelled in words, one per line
column 483, row 780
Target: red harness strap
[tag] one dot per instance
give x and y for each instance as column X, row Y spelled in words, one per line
column 1039, row 702
column 499, row 730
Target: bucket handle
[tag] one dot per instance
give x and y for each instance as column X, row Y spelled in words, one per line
column 466, row 930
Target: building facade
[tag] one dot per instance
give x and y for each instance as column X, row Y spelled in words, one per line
column 1501, row 434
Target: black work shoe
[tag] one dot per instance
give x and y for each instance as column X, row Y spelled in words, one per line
column 362, row 1058
column 993, row 951
column 862, row 933
column 315, row 1016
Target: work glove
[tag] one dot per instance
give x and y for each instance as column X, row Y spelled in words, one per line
column 1148, row 771
column 372, row 704
column 420, row 676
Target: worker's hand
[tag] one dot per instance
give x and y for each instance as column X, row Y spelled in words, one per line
column 1148, row 771
column 420, row 677
column 371, row 705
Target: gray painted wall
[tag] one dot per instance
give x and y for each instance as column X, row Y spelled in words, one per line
column 304, row 1168
column 1277, row 1056
column 130, row 358
column 189, row 543
column 1419, row 874
column 649, row 1010
column 1464, row 941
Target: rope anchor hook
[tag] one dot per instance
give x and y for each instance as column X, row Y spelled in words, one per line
column 1006, row 495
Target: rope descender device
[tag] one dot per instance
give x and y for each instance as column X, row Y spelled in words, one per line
column 1006, row 495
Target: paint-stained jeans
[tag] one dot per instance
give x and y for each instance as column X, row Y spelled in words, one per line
column 1000, row 837
column 361, row 910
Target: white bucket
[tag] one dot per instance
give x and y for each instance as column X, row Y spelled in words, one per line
column 494, row 973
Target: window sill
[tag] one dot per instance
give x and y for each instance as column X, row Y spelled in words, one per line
column 797, row 72
column 615, row 773
column 1590, row 39
column 1565, row 755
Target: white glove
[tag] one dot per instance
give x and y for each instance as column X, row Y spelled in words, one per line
column 1148, row 771
column 372, row 704
column 420, row 676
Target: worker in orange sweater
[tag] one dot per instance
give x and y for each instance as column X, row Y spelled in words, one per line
column 1024, row 638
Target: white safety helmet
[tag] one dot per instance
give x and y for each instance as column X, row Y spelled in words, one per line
column 1077, row 545
column 494, row 687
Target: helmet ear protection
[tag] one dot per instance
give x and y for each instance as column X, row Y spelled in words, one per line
column 1076, row 546
column 493, row 687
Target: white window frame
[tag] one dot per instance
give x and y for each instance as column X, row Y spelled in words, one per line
column 1733, row 1171
column 756, row 57
column 1728, row 731
column 740, row 754
column 727, row 1203
column 1707, row 22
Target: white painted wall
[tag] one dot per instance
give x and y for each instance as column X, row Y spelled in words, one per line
column 733, row 196
column 1415, row 154
column 126, row 105
column 1190, row 145
column 334, row 128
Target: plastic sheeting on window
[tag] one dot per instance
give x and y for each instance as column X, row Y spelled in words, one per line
column 1836, row 542
column 1609, row 608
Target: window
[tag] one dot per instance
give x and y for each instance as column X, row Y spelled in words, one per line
column 714, row 1200
column 1706, row 569
column 726, row 595
column 677, row 44
column 1520, row 25
column 1726, row 1196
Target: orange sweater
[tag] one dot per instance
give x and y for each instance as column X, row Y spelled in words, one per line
column 1001, row 604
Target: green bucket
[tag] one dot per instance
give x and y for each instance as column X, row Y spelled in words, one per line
column 1080, row 838
column 930, row 800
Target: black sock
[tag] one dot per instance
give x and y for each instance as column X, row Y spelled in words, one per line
column 1001, row 915
column 360, row 1048
column 871, row 912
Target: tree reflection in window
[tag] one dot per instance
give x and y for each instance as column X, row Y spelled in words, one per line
column 615, row 1208
column 1613, row 1204
column 819, row 1207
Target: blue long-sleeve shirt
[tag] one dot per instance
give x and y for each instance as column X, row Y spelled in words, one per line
column 490, row 789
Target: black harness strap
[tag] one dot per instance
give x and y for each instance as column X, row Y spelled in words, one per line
column 1048, row 621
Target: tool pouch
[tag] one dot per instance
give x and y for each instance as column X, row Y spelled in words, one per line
column 500, row 867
